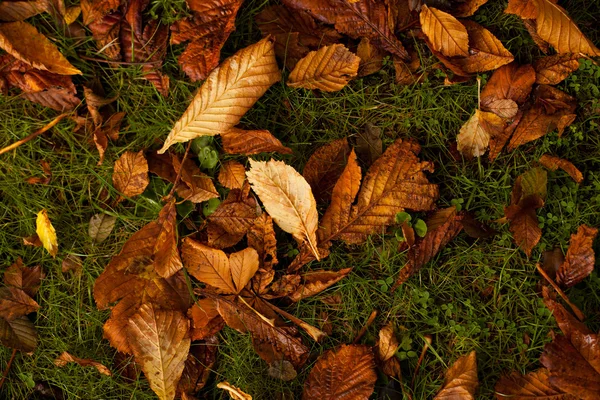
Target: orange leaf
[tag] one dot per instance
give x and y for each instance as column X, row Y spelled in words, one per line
column 460, row 379
column 65, row 358
column 580, row 259
column 526, row 9
column 15, row 303
column 467, row 8
column 554, row 69
column 240, row 141
column 487, row 52
column 324, row 167
column 474, row 137
column 236, row 215
column 446, row 34
column 130, row 175
column 196, row 186
column 205, row 319
column 553, row 163
column 534, row 385
column 232, row 175
column 315, row 282
column 371, row 58
column 512, row 82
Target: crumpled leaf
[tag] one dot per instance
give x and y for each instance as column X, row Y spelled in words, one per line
column 324, row 167
column 329, row 69
column 580, row 259
column 346, row 372
column 46, row 232
column 235, row 392
column 18, row 334
column 554, row 69
column 474, row 137
column 316, row 281
column 232, row 175
column 288, row 199
column 237, row 213
column 553, row 163
column 248, row 142
column 66, row 358
column 130, row 175
column 445, row 33
column 229, row 91
column 195, row 186
column 15, row 303
column 460, row 379
column 23, row 41
column 534, row 385
column 101, row 225
column 25, row 278
column 160, row 342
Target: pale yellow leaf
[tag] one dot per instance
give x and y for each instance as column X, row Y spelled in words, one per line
column 46, row 233
column 235, row 392
column 229, row 91
column 288, row 199
column 244, row 265
column 446, row 34
column 475, row 134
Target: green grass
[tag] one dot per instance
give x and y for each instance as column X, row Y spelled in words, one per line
column 476, row 295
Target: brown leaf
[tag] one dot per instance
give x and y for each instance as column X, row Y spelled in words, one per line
column 329, row 69
column 325, row 166
column 467, row 8
column 474, row 137
column 25, row 43
column 195, row 186
column 18, row 334
column 47, row 175
column 524, row 224
column 46, row 233
column 347, row 372
column 534, row 385
column 160, row 342
column 101, row 225
column 460, row 379
column 21, row 10
column 198, row 366
column 229, row 91
column 526, row 9
column 446, row 34
column 219, row 238
column 25, row 278
column 315, row 282
column 387, row 344
column 579, row 260
column 406, row 73
column 261, row 237
column 371, row 58
column 554, row 69
column 504, row 108
column 288, row 199
column 130, row 175
column 15, row 303
column 236, row 216
column 232, row 175
column 234, row 392
column 72, row 263
column 93, row 10
column 240, row 141
column 205, row 319
column 486, row 51
column 66, row 358
column 106, row 30
column 369, row 145
column 512, row 82
column 553, row 163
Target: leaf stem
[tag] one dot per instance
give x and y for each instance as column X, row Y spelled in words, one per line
column 34, row 134
column 187, row 150
column 366, row 326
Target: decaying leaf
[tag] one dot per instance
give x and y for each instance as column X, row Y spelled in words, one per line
column 347, row 372
column 237, row 213
column 445, row 33
column 66, row 358
column 461, row 379
column 371, row 58
column 369, row 145
column 232, row 175
column 553, row 163
column 316, row 281
column 25, row 278
column 387, row 344
column 235, row 392
column 486, row 51
column 15, row 302
column 554, row 69
column 534, row 385
column 130, row 175
column 229, row 91
column 324, row 167
column 72, row 263
column 46, row 233
column 474, row 137
column 512, row 82
column 288, row 199
column 329, row 69
column 101, row 225
column 580, row 259
column 240, row 141
column 194, row 186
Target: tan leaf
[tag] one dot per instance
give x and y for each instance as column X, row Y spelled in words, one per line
column 324, row 167
column 160, row 342
column 446, row 34
column 371, row 58
column 347, row 372
column 130, row 175
column 556, row 27
column 15, row 303
column 18, row 334
column 208, row 265
column 235, row 392
column 330, row 69
column 261, row 237
column 580, row 259
column 244, row 265
column 46, row 233
column 504, row 108
column 240, row 141
column 554, row 69
column 219, row 238
column 316, row 281
column 66, row 358
column 475, row 134
column 101, row 225
column 232, row 175
column 24, row 42
column 553, row 163
column 387, row 344
column 25, row 278
column 236, row 214
column 195, row 186
column 288, row 199
column 487, row 52
column 461, row 379
column 534, row 385
column 229, row 91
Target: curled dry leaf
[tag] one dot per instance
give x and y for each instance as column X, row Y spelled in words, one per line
column 461, row 379
column 553, row 163
column 534, row 385
column 240, row 141
column 101, row 225
column 235, row 392
column 229, row 91
column 347, row 372
column 236, row 214
column 66, row 358
column 18, row 334
column 232, row 175
column 329, row 69
column 554, row 69
column 580, row 259
column 445, row 33
column 194, row 186
column 324, row 167
column 130, row 175
column 205, row 319
column 288, row 199
column 28, row 279
column 474, row 137
column 46, row 233
column 316, row 281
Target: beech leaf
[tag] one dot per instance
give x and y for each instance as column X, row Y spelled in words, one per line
column 324, row 167
column 446, row 34
column 554, row 69
column 101, row 225
column 534, row 385
column 474, row 137
column 18, row 334
column 232, row 175
column 240, row 141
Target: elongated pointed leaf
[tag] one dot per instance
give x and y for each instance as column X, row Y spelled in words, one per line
column 446, row 34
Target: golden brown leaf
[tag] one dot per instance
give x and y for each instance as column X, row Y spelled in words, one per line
column 446, row 34
column 387, row 344
column 21, row 10
column 194, row 186
column 15, row 303
column 235, row 392
column 324, row 167
column 487, row 52
column 25, row 43
column 236, row 214
column 526, row 9
column 66, row 358
column 554, row 69
column 460, row 379
column 329, row 69
column 316, row 281
column 105, row 29
column 580, row 259
column 371, row 58
column 205, row 319
column 288, row 199
column 534, row 385
column 232, row 175
column 93, row 10
column 160, row 342
column 198, row 367
column 101, row 225
column 46, row 233
column 18, row 334
column 474, row 137
column 347, row 372
column 467, row 8
column 130, row 175
column 229, row 91
column 240, row 141
column 553, row 163
column 25, row 278
column 511, row 82
column 536, row 122
column 556, row 27
column 219, row 238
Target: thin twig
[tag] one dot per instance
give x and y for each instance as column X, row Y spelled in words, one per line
column 562, row 294
column 365, row 327
column 5, row 374
column 100, row 60
column 34, row 134
column 178, row 177
column 428, row 340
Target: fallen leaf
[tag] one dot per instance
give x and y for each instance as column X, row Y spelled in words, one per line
column 460, row 379
column 324, row 167
column 531, row 26
column 235, row 392
column 100, row 227
column 536, row 123
column 194, row 186
column 317, row 281
column 219, row 238
column 66, row 358
column 487, row 52
column 105, row 25
column 25, row 43
column 21, row 10
column 369, row 145
column 474, row 137
column 467, row 8
column 261, row 237
column 580, row 259
column 47, row 175
column 160, row 342
column 554, row 69
column 72, row 263
column 511, row 81
column 553, row 163
column 387, row 344
column 288, row 199
column 25, row 278
column 329, row 69
column 198, row 366
column 371, row 58
column 33, row 240
column 46, row 233
column 229, row 91
column 232, row 175
column 130, row 175
column 15, row 303
column 205, row 319
column 446, row 34
column 18, row 334
column 534, row 385
column 526, row 9
column 346, row 372
column 240, row 141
